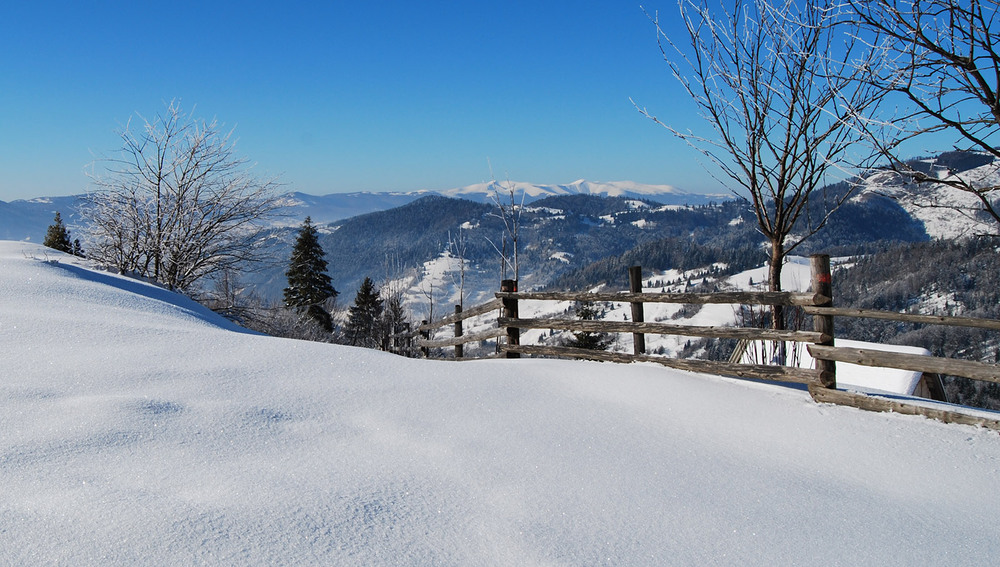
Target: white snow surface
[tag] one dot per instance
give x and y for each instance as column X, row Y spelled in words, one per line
column 137, row 428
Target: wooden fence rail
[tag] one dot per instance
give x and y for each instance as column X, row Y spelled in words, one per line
column 732, row 297
column 486, row 335
column 755, row 371
column 491, row 305
column 640, row 328
column 947, row 320
column 820, row 341
column 663, row 329
column 423, row 331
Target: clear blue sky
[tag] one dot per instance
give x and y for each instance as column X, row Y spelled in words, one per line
column 338, row 96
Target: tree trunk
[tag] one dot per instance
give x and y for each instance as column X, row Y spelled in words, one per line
column 774, row 283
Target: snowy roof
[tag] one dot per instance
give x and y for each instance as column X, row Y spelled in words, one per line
column 851, row 376
column 874, row 379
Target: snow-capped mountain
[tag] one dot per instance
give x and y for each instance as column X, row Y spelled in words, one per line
column 336, row 206
column 27, row 219
column 530, row 192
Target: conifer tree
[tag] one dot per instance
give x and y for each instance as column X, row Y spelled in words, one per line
column 57, row 236
column 364, row 323
column 309, row 285
column 587, row 311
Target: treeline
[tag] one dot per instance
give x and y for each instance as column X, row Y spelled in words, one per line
column 860, row 226
column 726, row 233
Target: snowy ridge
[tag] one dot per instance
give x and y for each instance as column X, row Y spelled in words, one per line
column 140, row 431
column 947, row 212
column 530, row 192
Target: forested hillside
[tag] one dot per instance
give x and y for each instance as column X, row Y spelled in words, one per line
column 727, row 234
column 557, row 234
column 936, row 278
column 575, row 241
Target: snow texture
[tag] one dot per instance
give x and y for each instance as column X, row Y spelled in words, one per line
column 136, row 428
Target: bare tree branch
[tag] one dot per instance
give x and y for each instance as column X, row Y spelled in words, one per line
column 942, row 58
column 176, row 204
column 504, row 196
column 771, row 79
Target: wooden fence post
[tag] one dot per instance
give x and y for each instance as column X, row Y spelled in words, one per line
column 425, row 335
column 635, row 286
column 510, row 312
column 459, row 350
column 822, row 284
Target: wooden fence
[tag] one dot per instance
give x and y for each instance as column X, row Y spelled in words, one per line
column 820, row 341
column 460, row 338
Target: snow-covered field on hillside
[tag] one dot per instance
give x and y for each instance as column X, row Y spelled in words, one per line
column 136, row 428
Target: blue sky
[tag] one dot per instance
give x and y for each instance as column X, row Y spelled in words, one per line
column 353, row 96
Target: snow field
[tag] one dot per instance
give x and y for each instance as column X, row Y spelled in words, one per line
column 138, row 428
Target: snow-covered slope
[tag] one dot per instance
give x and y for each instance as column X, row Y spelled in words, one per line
column 137, row 428
column 947, row 212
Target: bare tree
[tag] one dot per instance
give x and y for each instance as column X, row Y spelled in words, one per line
column 943, row 57
column 769, row 77
column 176, row 204
column 394, row 314
column 427, row 290
column 457, row 247
column 504, row 196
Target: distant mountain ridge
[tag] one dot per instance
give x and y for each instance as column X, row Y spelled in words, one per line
column 575, row 235
column 530, row 192
column 27, row 219
column 339, row 206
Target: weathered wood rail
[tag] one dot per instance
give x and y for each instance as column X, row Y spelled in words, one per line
column 917, row 363
column 663, row 329
column 422, row 332
column 951, row 321
column 820, row 342
column 733, row 297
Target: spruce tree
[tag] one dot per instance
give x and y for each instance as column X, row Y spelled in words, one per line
column 57, row 236
column 309, row 285
column 364, row 322
column 587, row 311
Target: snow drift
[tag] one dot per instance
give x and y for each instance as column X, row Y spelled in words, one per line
column 138, row 428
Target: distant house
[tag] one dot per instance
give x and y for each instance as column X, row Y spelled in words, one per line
column 853, row 376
